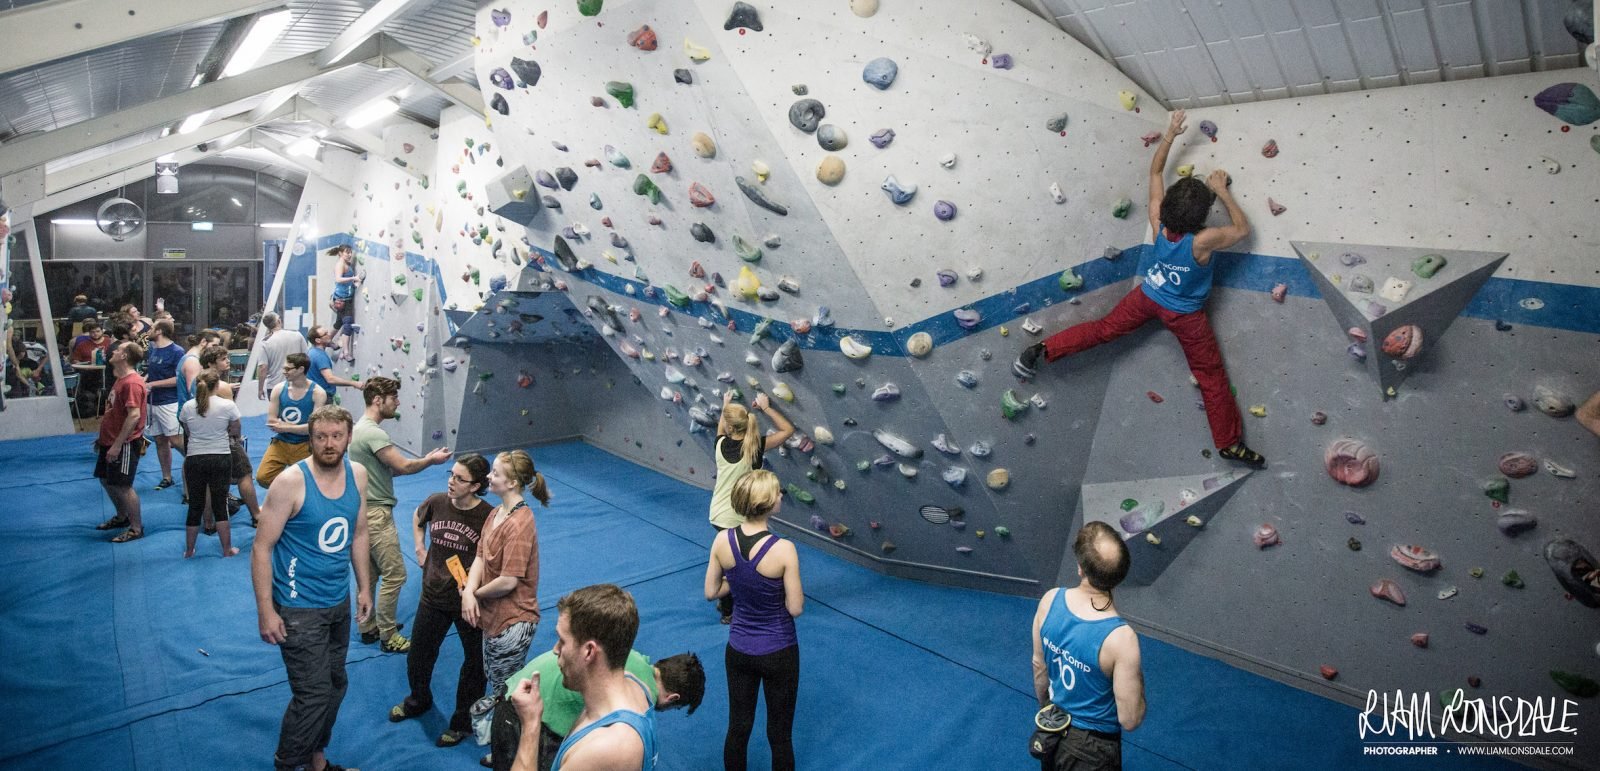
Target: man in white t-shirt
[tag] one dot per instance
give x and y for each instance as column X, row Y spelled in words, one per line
column 275, row 350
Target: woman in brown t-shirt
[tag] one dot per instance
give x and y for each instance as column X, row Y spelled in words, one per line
column 502, row 594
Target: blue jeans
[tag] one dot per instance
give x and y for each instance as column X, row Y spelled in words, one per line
column 313, row 655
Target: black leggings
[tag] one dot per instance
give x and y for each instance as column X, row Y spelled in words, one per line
column 207, row 472
column 428, row 630
column 779, row 673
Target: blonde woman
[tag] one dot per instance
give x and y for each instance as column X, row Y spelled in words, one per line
column 212, row 423
column 502, row 593
column 761, row 572
column 738, row 449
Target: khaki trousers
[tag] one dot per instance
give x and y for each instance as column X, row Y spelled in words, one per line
column 388, row 571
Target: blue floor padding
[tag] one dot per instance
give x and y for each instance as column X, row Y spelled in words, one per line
column 103, row 668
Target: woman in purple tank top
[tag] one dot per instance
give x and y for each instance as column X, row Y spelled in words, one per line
column 762, row 573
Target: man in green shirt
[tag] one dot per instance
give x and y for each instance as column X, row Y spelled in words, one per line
column 370, row 446
column 675, row 681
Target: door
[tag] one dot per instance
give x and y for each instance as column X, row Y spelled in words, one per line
column 206, row 295
column 172, row 286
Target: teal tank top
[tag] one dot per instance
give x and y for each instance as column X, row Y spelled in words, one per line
column 311, row 562
column 644, row 724
column 297, row 411
column 1171, row 276
column 185, row 385
column 1072, row 656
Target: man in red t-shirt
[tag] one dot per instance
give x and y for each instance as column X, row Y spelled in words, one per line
column 121, row 441
column 83, row 345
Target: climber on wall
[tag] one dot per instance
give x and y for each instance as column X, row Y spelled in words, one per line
column 1177, row 280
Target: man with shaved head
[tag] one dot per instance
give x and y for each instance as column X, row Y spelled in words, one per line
column 1086, row 670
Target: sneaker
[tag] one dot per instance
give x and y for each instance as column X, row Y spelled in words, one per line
column 234, row 504
column 395, row 644
column 369, row 638
column 451, row 738
column 1026, row 365
column 398, row 713
column 164, row 484
column 128, row 535
column 1243, row 454
column 487, row 761
column 115, row 523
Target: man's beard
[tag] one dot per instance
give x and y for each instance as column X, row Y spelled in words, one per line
column 316, row 458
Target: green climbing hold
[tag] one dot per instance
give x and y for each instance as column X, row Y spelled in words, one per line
column 1129, row 504
column 356, row 377
column 1121, row 208
column 1512, row 580
column 470, row 142
column 461, row 187
column 476, row 276
column 424, row 181
column 1427, row 265
column 801, row 495
column 485, row 376
column 1011, row 406
column 863, row 465
column 1003, row 531
column 838, row 388
column 643, row 186
column 812, row 475
column 747, row 251
column 1070, row 281
column 1498, row 488
column 735, row 394
column 1577, row 685
column 406, row 346
column 622, row 91
column 1476, row 572
column 1594, row 142
column 417, row 295
column 416, row 237
column 760, row 331
column 590, row 7
column 677, row 297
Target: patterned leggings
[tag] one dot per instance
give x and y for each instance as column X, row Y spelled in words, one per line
column 505, row 653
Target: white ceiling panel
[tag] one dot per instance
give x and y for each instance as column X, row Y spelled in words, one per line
column 1456, row 32
column 1300, row 66
column 1277, row 15
column 1261, row 63
column 1316, row 13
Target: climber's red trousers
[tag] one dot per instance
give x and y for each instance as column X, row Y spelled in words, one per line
column 1193, row 331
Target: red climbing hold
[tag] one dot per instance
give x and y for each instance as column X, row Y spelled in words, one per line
column 544, row 18
column 1328, row 673
column 1155, row 397
column 1420, row 639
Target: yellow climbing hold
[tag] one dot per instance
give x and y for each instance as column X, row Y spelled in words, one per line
column 695, row 51
column 782, row 391
column 657, row 122
column 1152, row 539
column 1193, row 521
column 748, row 285
column 760, row 169
column 1258, row 410
column 1004, row 331
column 611, row 258
column 1186, row 169
column 1128, row 99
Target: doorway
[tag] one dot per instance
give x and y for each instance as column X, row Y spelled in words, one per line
column 204, row 295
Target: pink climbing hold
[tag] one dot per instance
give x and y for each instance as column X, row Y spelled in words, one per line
column 1319, row 418
column 544, row 18
column 1386, row 589
column 524, row 380
column 1270, row 149
column 1357, row 334
column 1518, row 465
column 1420, row 639
column 1328, row 673
column 1279, row 292
column 1414, row 557
column 1275, row 207
column 1351, row 462
column 697, row 270
column 1266, row 535
column 662, row 164
column 1154, row 397
column 643, row 38
column 1151, row 138
column 1404, row 342
column 700, row 196
column 801, row 326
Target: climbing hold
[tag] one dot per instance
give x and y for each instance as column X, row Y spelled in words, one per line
column 1414, row 557
column 920, row 344
column 864, row 8
column 702, row 233
column 1270, row 149
column 566, row 177
column 1056, row 194
column 1518, row 465
column 501, row 79
column 1357, row 351
column 499, row 104
column 900, row 194
column 1361, row 283
column 897, row 445
column 1186, row 170
column 748, row 284
column 546, row 179
column 838, row 530
column 655, row 121
column 1011, row 406
column 1531, row 303
column 1572, row 565
column 1498, row 488
column 1121, row 208
column 1209, row 129
column 783, row 391
column 1150, row 138
column 642, row 185
column 887, row 392
column 1577, row 685
column 967, row 318
column 643, row 38
column 622, row 91
column 700, row 196
column 1152, row 539
column 789, row 284
column 1258, row 410
column 1265, row 535
column 980, row 449
column 1552, row 402
column 998, row 479
column 1351, row 462
column 585, row 7
column 955, row 476
column 1420, row 639
column 1140, row 517
column 1573, row 103
column 852, row 349
column 831, row 137
column 1512, row 580
column 695, row 51
column 948, row 160
column 787, row 358
column 1476, row 628
column 759, row 168
column 1514, row 403
column 880, row 72
column 906, row 470
column 830, row 170
column 804, row 497
column 1353, row 544
column 1351, row 259
column 1394, row 289
column 743, row 16
column 746, row 250
column 1386, row 589
column 760, row 198
column 594, row 202
column 946, row 277
column 944, row 210
column 1558, row 470
column 1427, row 265
column 1404, row 342
column 807, row 114
column 1193, row 521
column 1328, row 673
column 881, row 138
column 943, row 444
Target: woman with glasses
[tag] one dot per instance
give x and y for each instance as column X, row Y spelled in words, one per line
column 446, row 530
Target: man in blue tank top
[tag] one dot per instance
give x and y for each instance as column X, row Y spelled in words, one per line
column 1086, row 658
column 1177, row 270
column 617, row 728
column 289, row 408
column 312, row 529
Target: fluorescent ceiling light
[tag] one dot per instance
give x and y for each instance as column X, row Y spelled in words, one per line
column 235, row 201
column 204, row 227
column 264, row 31
column 65, row 221
column 279, row 225
column 372, row 111
column 193, row 122
column 305, row 148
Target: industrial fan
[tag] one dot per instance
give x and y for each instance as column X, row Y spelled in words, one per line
column 119, row 218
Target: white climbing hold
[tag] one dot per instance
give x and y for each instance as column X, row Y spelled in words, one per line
column 1030, row 327
column 822, row 435
column 852, row 349
column 948, row 160
column 978, row 45
column 1055, row 193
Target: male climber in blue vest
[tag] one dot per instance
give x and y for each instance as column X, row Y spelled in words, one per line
column 1086, row 666
column 1177, row 280
column 313, row 528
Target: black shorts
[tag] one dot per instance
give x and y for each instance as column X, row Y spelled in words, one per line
column 241, row 460
column 120, row 472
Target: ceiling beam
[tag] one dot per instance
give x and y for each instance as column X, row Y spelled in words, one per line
column 115, row 180
column 368, row 142
column 394, row 54
column 39, row 149
column 148, row 152
column 362, row 29
column 277, row 147
column 463, row 63
column 46, row 32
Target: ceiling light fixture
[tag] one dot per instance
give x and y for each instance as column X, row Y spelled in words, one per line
column 264, row 31
column 193, row 122
column 371, row 112
column 305, row 148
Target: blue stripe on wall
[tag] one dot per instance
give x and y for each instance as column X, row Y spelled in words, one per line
column 303, row 266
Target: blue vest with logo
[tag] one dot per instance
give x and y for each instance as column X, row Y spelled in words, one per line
column 1171, row 276
column 1072, row 656
column 185, row 384
column 311, row 562
column 297, row 411
column 642, row 723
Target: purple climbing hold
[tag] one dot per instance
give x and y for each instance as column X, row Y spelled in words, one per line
column 946, row 277
column 887, row 392
column 1357, row 351
column 1476, row 628
column 501, row 17
column 881, row 138
column 944, row 210
column 1209, row 129
column 1354, row 518
column 545, row 179
column 501, row 79
column 1516, row 522
column 1001, row 61
column 968, row 318
column 819, row 523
